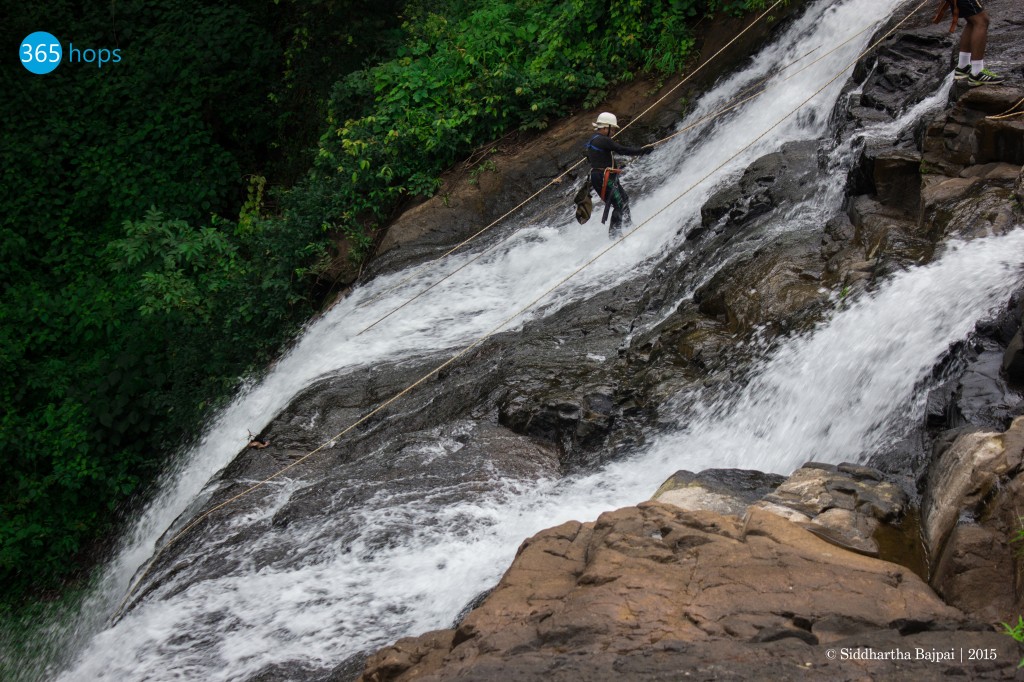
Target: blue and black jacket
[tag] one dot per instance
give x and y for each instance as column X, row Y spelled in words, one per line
column 600, row 149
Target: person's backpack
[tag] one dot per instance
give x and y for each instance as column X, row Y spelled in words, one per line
column 584, row 206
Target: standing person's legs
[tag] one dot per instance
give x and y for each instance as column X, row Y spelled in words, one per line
column 973, row 42
column 974, row 38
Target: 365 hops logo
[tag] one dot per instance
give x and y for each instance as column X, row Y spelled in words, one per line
column 41, row 52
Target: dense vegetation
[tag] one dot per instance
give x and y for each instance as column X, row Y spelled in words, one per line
column 168, row 219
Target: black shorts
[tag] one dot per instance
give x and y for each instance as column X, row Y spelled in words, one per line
column 968, row 8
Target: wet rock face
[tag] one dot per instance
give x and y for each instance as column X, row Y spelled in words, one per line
column 784, row 177
column 905, row 71
column 842, row 504
column 778, row 282
column 970, row 514
column 973, row 132
column 451, row 464
column 1012, row 365
column 657, row 589
column 724, row 491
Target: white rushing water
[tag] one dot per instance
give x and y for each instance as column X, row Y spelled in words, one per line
column 850, row 376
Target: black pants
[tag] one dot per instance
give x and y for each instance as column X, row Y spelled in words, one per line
column 968, row 8
column 614, row 195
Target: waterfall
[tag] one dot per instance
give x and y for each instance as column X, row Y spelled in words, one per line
column 831, row 395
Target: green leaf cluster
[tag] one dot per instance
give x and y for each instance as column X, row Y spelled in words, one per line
column 1016, row 631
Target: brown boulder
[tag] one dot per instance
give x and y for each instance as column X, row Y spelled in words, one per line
column 963, row 478
column 647, row 592
column 970, row 515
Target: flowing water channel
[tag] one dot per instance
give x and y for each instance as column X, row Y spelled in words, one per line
column 833, row 395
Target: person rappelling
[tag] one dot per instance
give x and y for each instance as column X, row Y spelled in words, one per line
column 604, row 173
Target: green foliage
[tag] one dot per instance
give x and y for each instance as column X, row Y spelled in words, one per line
column 737, row 7
column 163, row 323
column 120, row 328
column 487, row 166
column 33, row 638
column 1017, row 632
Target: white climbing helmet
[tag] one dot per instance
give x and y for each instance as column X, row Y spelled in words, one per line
column 606, row 120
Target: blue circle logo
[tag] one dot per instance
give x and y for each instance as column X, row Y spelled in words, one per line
column 40, row 52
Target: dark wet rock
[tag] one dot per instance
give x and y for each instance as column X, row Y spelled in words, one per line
column 838, row 234
column 884, row 234
column 577, row 416
column 777, row 282
column 998, row 173
column 723, row 491
column 970, row 387
column 903, row 72
column 897, row 179
column 568, row 382
column 451, row 464
column 285, row 672
column 1012, row 365
column 859, row 472
column 966, row 135
column 983, row 396
column 1001, row 140
column 691, row 343
column 348, row 671
column 966, row 207
column 782, row 178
